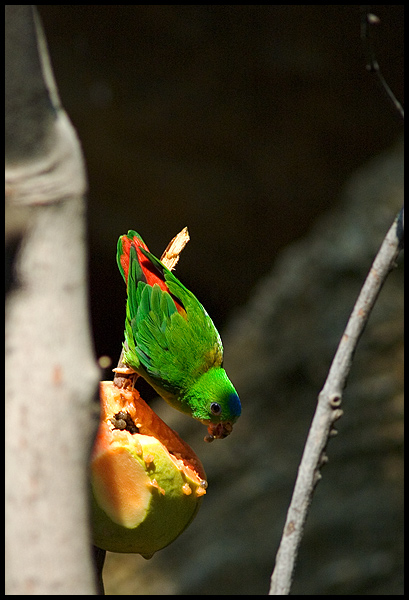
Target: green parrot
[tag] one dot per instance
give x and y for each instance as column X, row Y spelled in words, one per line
column 171, row 341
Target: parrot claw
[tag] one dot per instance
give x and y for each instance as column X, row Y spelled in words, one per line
column 125, row 377
column 123, row 371
column 218, row 431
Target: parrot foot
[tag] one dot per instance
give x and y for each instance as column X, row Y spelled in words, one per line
column 125, row 377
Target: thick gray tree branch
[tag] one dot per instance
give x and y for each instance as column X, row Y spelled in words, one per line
column 51, row 374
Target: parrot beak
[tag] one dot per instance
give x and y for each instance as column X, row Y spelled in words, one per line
column 218, row 431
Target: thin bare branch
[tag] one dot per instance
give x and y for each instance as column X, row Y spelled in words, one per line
column 328, row 410
column 368, row 22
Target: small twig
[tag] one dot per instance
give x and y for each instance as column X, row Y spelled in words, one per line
column 368, row 22
column 171, row 254
column 328, row 410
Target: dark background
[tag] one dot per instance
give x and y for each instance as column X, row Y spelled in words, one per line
column 241, row 122
column 247, row 124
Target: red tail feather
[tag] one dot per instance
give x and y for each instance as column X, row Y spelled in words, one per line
column 151, row 273
column 126, row 247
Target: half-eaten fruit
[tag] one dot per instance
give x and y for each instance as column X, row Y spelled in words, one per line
column 147, row 483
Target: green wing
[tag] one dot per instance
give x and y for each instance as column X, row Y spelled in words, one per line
column 172, row 348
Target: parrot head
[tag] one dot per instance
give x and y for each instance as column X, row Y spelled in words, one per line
column 214, row 401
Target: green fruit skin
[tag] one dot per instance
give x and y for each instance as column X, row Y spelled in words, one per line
column 167, row 516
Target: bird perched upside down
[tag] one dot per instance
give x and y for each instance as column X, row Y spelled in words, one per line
column 171, row 341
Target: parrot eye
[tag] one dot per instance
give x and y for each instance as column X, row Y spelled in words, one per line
column 215, row 408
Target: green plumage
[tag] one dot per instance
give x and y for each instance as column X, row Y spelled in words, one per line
column 170, row 339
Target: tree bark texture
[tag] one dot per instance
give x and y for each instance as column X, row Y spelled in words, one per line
column 51, row 374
